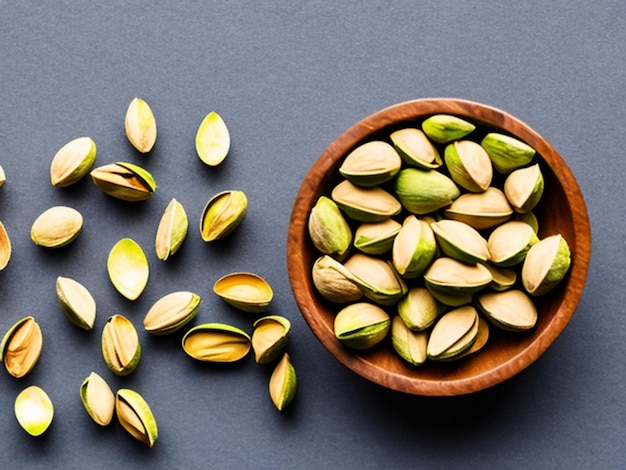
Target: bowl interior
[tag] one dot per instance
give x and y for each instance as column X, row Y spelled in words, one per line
column 562, row 210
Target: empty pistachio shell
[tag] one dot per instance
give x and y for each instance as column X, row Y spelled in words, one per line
column 365, row 204
column 443, row 128
column 171, row 312
column 469, row 165
column 246, row 291
column 376, row 278
column 222, row 214
column 121, row 349
column 124, row 181
column 453, row 334
column 5, row 247
column 410, row 345
column 128, row 268
column 507, row 153
column 72, row 162
column 511, row 310
column 454, row 276
column 269, row 338
column 76, row 302
column 419, row 309
column 509, row 243
column 415, row 148
column 361, row 325
column 216, row 342
column 376, row 238
column 98, row 399
column 328, row 229
column 34, row 410
column 212, row 140
column 524, row 188
column 460, row 241
column 371, row 164
column 424, row 191
column 283, row 383
column 546, row 264
column 140, row 124
column 481, row 210
column 413, row 248
column 56, row 227
column 172, row 230
column 135, row 415
column 21, row 347
column 334, row 281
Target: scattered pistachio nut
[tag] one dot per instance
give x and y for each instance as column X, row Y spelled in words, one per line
column 371, row 164
column 283, row 383
column 248, row 292
column 216, row 342
column 121, row 349
column 5, row 247
column 415, row 148
column 269, row 338
column 76, row 302
column 3, row 177
column 361, row 325
column 21, row 347
column 98, row 399
column 222, row 214
column 124, row 181
column 135, row 415
column 72, row 162
column 34, row 410
column 56, row 227
column 212, row 139
column 444, row 128
column 328, row 229
column 171, row 231
column 507, row 153
column 171, row 312
column 128, row 268
column 546, row 264
column 140, row 124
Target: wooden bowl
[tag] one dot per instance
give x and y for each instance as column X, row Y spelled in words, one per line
column 562, row 210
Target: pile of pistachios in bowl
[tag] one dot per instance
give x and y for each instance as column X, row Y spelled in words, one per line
column 429, row 237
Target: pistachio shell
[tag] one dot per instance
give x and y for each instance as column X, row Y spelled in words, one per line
column 419, row 309
column 424, row 191
column 140, row 124
column 361, row 325
column 72, row 162
column 376, row 278
column 34, row 410
column 269, row 338
column 212, row 139
column 3, row 177
column 56, row 227
column 413, row 248
column 328, row 229
column 469, row 165
column 216, row 342
column 460, row 241
column 283, row 383
column 5, row 247
column 481, row 337
column 449, row 297
column 121, row 349
column 507, row 153
column 222, row 214
column 410, row 345
column 509, row 243
column 376, row 238
column 511, row 310
column 76, row 302
column 453, row 334
column 481, row 210
column 415, row 148
column 98, row 399
column 444, row 128
column 128, row 268
column 21, row 347
column 124, row 181
column 246, row 291
column 371, row 164
column 365, row 204
column 172, row 230
column 334, row 281
column 171, row 312
column 546, row 264
column 135, row 415
column 454, row 276
column 503, row 278
column 524, row 188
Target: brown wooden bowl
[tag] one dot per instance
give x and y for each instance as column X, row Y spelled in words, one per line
column 562, row 210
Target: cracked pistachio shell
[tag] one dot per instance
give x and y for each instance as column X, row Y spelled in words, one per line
column 222, row 214
column 414, row 248
column 128, row 268
column 444, row 128
column 460, row 241
column 216, row 342
column 269, row 338
column 171, row 312
column 76, row 302
column 5, row 247
column 456, row 277
column 371, row 164
column 248, row 292
column 171, row 231
column 98, row 399
column 481, row 337
column 377, row 279
column 283, row 383
column 469, row 165
column 328, row 229
column 511, row 310
column 448, row 297
column 376, row 238
column 121, row 349
column 365, row 204
column 415, row 148
column 509, row 243
column 453, row 334
column 334, row 281
column 34, row 410
column 361, row 325
column 140, row 124
column 410, row 345
column 481, row 210
column 524, row 188
column 545, row 265
column 124, row 181
column 503, row 278
column 135, row 415
column 21, row 347
column 72, row 162
column 419, row 309
column 56, row 227
column 507, row 153
column 424, row 191
column 212, row 139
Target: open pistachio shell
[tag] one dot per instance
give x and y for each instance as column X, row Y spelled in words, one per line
column 135, row 415
column 5, row 247
column 76, row 302
column 444, row 128
column 21, row 347
column 171, row 231
column 128, row 268
column 524, row 188
column 72, row 162
column 455, row 277
column 140, row 124
column 371, row 164
column 334, row 281
column 424, row 191
column 365, row 204
column 509, row 243
column 448, row 297
column 376, row 238
column 481, row 210
column 469, row 165
column 328, row 229
column 269, row 338
column 409, row 344
column 248, row 292
column 415, row 148
column 481, row 337
column 216, row 342
column 453, row 334
column 212, row 139
column 413, row 248
column 545, row 265
column 56, row 227
column 361, row 325
column 124, row 181
column 222, row 214
column 171, row 312
column 121, row 349
column 503, row 278
column 507, row 153
column 98, row 399
column 34, row 410
column 419, row 309
column 511, row 310
column 376, row 278
column 460, row 241
column 283, row 383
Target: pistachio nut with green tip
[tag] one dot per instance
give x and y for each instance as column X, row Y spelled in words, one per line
column 524, row 188
column 415, row 148
column 269, row 338
column 140, row 125
column 448, row 297
column 507, row 153
column 453, row 334
column 361, row 325
column 212, row 139
column 34, row 410
column 171, row 312
column 222, row 214
column 444, row 128
column 216, row 342
column 410, row 345
column 135, row 415
column 121, row 349
column 414, row 248
column 248, row 292
column 469, row 165
column 72, row 162
column 377, row 279
column 21, row 347
column 76, row 302
column 98, row 399
column 371, row 164
column 460, row 241
column 171, row 231
column 376, row 238
column 5, row 247
column 124, row 181
column 508, row 243
column 56, row 227
column 365, row 204
column 546, row 264
column 425, row 191
column 128, row 268
column 511, row 310
column 481, row 210
column 334, row 281
column 328, row 229
column 419, row 309
column 283, row 383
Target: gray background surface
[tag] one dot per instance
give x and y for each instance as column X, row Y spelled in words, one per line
column 288, row 78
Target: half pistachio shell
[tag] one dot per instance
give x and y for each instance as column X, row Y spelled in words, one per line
column 511, row 310
column 222, row 214
column 454, row 276
column 524, row 188
column 334, row 281
column 124, row 181
column 444, row 128
column 72, row 162
column 76, row 302
column 34, row 410
column 481, row 210
column 171, row 312
column 453, row 334
column 212, row 139
column 377, row 279
column 410, row 345
column 283, row 383
column 361, row 325
column 413, row 248
column 135, row 415
column 481, row 337
column 365, row 204
column 424, row 191
column 545, row 265
column 419, row 309
column 171, row 231
column 371, row 164
column 21, row 347
column 216, row 342
column 121, row 349
column 509, row 243
column 460, row 241
column 507, row 153
column 503, row 278
column 5, row 247
column 248, row 292
column 328, row 229
column 415, row 148
column 269, row 338
column 56, row 227
column 376, row 238
column 140, row 124
column 128, row 268
column 469, row 165
column 98, row 399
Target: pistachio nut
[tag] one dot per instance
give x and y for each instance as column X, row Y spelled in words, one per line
column 419, row 309
column 415, row 148
column 269, row 338
column 453, row 334
column 511, row 310
column 124, row 181
column 455, row 277
column 121, row 349
column 5, row 247
column 361, row 325
column 334, row 281
column 481, row 337
column 98, row 399
column 376, row 238
column 216, row 342
column 128, row 268
column 545, row 265
column 448, row 297
column 424, row 191
column 507, row 153
column 414, row 248
column 171, row 231
column 530, row 218
column 140, row 124
column 328, row 229
column 248, row 292
column 503, row 278
column 222, row 214
column 444, row 128
column 371, row 164
column 3, row 176
column 365, row 204
column 171, row 312
column 135, row 415
column 56, row 227
column 469, row 165
column 21, row 347
column 509, row 243
column 212, row 139
column 481, row 210
column 377, row 279
column 524, row 187
column 72, row 162
column 460, row 241
column 76, row 302
column 34, row 410
column 410, row 345
column 283, row 383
